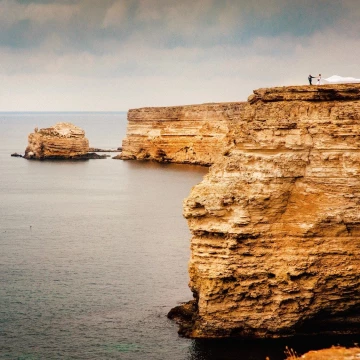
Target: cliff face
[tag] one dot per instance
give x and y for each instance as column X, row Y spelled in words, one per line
column 61, row 141
column 194, row 134
column 276, row 224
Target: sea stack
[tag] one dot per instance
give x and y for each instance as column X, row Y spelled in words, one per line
column 61, row 141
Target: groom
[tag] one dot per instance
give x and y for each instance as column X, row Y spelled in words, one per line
column 310, row 77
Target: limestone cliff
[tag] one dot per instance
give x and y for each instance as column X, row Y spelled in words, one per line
column 275, row 249
column 194, row 134
column 61, row 141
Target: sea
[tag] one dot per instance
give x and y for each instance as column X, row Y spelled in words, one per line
column 94, row 254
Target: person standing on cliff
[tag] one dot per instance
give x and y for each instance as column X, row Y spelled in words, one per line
column 318, row 80
column 310, row 77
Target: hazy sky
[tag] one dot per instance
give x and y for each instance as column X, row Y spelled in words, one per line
column 109, row 55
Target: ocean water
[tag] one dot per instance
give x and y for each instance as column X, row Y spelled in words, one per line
column 94, row 254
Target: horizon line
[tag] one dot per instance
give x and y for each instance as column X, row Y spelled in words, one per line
column 62, row 111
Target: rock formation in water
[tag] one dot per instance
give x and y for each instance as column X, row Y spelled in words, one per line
column 16, row 155
column 61, row 141
column 275, row 247
column 193, row 134
column 92, row 149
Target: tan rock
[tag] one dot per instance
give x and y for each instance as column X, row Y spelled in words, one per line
column 275, row 248
column 61, row 141
column 194, row 134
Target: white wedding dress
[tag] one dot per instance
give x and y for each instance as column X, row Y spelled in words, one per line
column 336, row 79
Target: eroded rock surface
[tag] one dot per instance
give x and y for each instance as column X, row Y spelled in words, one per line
column 61, row 141
column 275, row 249
column 194, row 134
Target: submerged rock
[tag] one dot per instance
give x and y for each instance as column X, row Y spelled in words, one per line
column 103, row 150
column 117, row 157
column 16, row 155
column 61, row 141
column 89, row 156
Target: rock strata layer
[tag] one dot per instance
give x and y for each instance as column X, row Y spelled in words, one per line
column 193, row 134
column 61, row 141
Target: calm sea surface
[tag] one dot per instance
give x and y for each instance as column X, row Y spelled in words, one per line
column 94, row 254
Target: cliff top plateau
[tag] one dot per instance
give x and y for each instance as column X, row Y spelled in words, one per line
column 328, row 92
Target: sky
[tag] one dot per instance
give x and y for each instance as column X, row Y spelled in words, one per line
column 113, row 55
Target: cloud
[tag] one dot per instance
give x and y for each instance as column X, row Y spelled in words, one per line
column 163, row 23
column 38, row 13
column 116, row 14
column 113, row 55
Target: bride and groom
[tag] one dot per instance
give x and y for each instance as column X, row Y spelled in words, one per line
column 335, row 79
column 318, row 82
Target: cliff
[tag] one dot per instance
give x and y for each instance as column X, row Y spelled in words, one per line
column 194, row 134
column 275, row 225
column 275, row 249
column 61, row 141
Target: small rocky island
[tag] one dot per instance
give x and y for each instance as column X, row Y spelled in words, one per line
column 63, row 141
